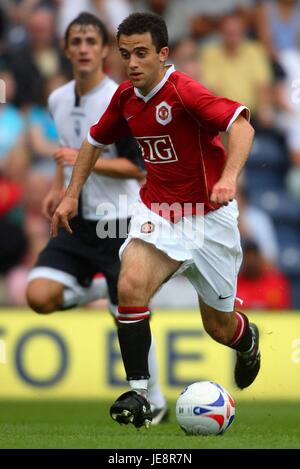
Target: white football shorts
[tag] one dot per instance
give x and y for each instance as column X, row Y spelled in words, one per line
column 208, row 246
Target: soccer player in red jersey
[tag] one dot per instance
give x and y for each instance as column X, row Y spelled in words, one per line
column 186, row 220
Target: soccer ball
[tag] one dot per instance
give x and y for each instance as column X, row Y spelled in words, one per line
column 205, row 408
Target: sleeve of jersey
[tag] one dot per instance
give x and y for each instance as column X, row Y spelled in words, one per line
column 111, row 127
column 213, row 112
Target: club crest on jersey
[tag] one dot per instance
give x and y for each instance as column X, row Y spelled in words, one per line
column 147, row 227
column 163, row 113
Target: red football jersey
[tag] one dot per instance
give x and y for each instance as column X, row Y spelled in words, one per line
column 177, row 126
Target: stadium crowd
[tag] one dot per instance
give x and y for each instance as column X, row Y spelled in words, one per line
column 246, row 50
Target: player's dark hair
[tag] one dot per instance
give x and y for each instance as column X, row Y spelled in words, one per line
column 140, row 23
column 87, row 19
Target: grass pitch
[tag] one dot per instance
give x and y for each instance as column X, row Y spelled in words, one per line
column 81, row 424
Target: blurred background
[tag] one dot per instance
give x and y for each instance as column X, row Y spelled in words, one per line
column 246, row 50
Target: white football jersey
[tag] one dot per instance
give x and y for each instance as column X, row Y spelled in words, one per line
column 73, row 117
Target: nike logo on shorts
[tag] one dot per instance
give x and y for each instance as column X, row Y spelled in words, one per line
column 223, row 297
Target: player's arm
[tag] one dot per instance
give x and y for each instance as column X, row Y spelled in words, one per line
column 67, row 209
column 118, row 168
column 218, row 114
column 40, row 144
column 129, row 163
column 240, row 140
column 55, row 195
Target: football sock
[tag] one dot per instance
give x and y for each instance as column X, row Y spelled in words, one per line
column 113, row 309
column 242, row 341
column 156, row 396
column 140, row 386
column 135, row 341
column 96, row 291
column 83, row 296
column 70, row 298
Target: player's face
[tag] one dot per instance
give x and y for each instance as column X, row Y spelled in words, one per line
column 85, row 49
column 144, row 65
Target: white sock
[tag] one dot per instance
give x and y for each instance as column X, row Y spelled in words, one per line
column 113, row 309
column 70, row 297
column 96, row 291
column 156, row 397
column 83, row 296
column 139, row 385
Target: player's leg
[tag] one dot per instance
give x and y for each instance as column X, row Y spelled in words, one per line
column 49, row 290
column 157, row 400
column 143, row 270
column 44, row 295
column 214, row 276
column 61, row 278
column 159, row 406
column 234, row 330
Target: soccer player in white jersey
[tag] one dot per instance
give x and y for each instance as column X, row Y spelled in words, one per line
column 63, row 276
column 191, row 183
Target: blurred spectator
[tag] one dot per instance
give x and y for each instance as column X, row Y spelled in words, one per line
column 12, row 237
column 43, row 138
column 3, row 25
column 206, row 14
column 259, row 286
column 13, row 154
column 18, row 14
column 111, row 12
column 293, row 182
column 257, row 226
column 40, row 58
column 191, row 17
column 238, row 68
column 288, row 115
column 184, row 55
column 278, row 25
column 113, row 65
column 176, row 13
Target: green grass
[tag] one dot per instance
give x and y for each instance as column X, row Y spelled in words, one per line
column 77, row 424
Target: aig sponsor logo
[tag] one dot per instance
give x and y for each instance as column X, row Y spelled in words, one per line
column 158, row 149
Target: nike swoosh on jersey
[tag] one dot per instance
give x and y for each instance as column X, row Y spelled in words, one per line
column 223, row 297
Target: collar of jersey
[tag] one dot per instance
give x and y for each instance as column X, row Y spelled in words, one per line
column 96, row 88
column 99, row 85
column 155, row 90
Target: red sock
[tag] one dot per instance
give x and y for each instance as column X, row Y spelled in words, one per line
column 242, row 338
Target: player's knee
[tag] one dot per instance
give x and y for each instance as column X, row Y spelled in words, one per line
column 130, row 288
column 39, row 299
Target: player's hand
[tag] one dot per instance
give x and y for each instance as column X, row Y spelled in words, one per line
column 51, row 202
column 66, row 210
column 223, row 191
column 66, row 156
